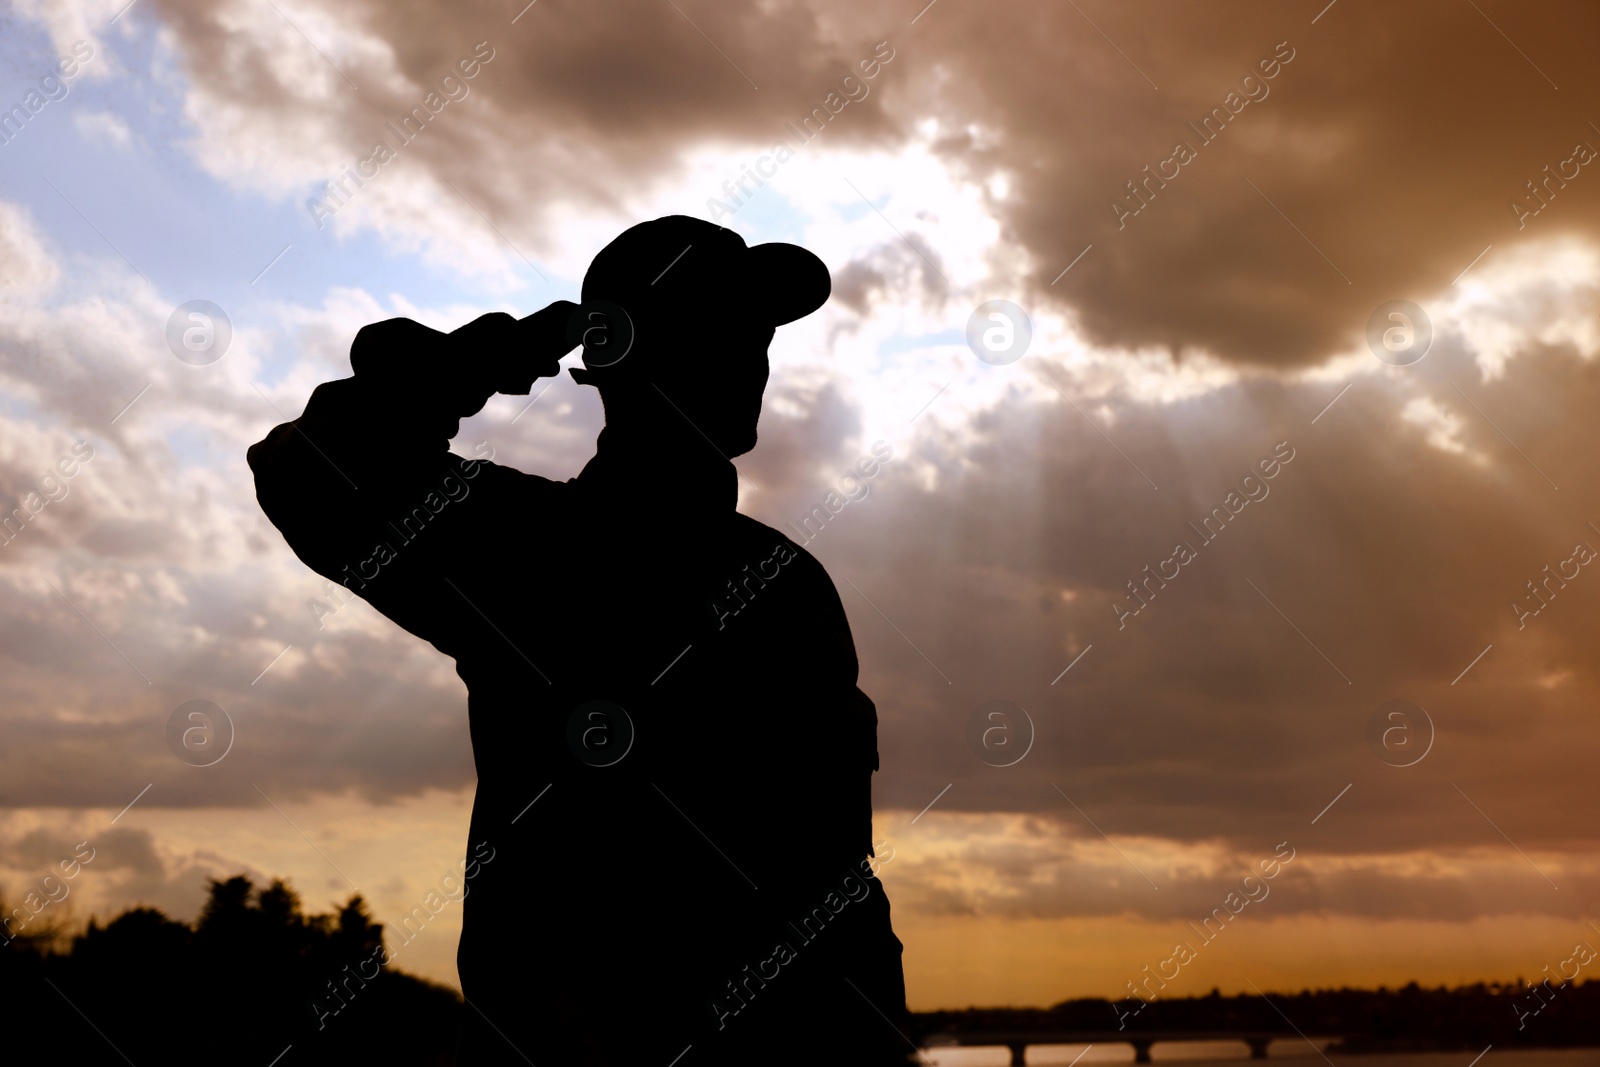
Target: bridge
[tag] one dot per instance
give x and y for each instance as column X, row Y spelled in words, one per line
column 1019, row 1040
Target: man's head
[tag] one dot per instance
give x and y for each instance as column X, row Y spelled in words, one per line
column 676, row 319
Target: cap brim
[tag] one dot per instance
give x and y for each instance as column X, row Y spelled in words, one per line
column 792, row 282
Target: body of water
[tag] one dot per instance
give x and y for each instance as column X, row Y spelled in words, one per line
column 1217, row 1053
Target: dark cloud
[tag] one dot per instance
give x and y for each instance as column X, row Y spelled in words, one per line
column 1211, row 715
column 1378, row 160
column 359, row 714
column 575, row 107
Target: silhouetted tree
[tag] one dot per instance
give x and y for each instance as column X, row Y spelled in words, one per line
column 251, row 977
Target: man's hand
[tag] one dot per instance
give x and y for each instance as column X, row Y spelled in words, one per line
column 517, row 350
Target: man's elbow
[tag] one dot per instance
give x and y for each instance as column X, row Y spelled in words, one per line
column 272, row 458
column 261, row 455
column 283, row 451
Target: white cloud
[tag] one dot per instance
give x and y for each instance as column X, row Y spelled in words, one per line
column 27, row 269
column 103, row 127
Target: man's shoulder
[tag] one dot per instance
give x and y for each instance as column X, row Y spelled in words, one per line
column 486, row 472
column 504, row 501
column 753, row 531
column 753, row 535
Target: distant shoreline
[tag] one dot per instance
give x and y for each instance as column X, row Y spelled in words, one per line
column 1362, row 1046
column 1552, row 1014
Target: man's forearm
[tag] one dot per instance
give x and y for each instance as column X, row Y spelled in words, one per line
column 373, row 446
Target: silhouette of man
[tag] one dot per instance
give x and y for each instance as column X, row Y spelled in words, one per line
column 674, row 814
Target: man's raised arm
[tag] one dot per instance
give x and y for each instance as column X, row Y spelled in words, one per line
column 363, row 485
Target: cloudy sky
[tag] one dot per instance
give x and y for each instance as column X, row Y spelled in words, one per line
column 1209, row 213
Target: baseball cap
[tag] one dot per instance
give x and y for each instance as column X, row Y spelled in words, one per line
column 682, row 264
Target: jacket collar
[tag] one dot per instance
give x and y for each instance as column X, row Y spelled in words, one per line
column 689, row 477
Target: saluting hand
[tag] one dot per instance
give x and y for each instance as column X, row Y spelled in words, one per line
column 519, row 350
